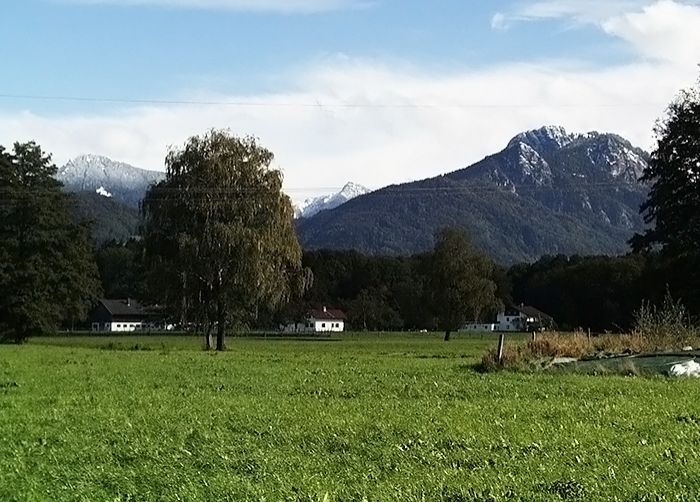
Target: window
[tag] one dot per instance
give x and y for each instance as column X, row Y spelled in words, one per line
column 323, row 325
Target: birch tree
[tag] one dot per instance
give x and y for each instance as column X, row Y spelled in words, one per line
column 219, row 233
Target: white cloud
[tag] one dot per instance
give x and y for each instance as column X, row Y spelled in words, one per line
column 376, row 124
column 666, row 30
column 580, row 11
column 285, row 6
column 460, row 118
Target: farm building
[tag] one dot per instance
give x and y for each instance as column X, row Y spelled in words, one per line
column 516, row 318
column 322, row 320
column 120, row 316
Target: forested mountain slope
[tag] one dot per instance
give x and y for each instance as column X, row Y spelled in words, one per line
column 547, row 192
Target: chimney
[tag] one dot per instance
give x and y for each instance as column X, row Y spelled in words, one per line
column 325, row 309
column 128, row 302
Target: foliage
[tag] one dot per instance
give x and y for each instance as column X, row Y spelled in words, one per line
column 123, row 270
column 386, row 418
column 673, row 206
column 47, row 271
column 111, row 220
column 597, row 292
column 460, row 279
column 219, row 233
column 536, row 354
column 669, row 321
column 378, row 292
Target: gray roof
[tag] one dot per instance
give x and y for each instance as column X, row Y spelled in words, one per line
column 533, row 312
column 121, row 308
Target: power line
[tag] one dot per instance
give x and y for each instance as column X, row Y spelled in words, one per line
column 318, row 104
column 214, row 193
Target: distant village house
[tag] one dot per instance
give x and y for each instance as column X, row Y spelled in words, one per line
column 522, row 318
column 322, row 320
column 120, row 316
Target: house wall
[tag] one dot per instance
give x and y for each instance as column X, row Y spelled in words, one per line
column 121, row 326
column 315, row 326
column 510, row 322
column 480, row 328
column 329, row 326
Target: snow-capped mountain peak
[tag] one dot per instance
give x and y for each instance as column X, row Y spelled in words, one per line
column 352, row 190
column 95, row 173
column 545, row 138
column 313, row 206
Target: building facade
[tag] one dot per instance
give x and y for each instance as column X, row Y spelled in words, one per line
column 120, row 316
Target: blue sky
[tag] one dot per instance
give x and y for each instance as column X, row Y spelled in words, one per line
column 405, row 88
column 159, row 52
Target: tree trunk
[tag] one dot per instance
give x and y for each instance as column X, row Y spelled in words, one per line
column 220, row 327
column 207, row 337
column 447, row 336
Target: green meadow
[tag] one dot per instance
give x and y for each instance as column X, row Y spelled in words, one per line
column 373, row 417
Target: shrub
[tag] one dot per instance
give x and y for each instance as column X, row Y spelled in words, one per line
column 669, row 322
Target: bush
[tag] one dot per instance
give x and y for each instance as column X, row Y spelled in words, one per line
column 664, row 324
column 539, row 353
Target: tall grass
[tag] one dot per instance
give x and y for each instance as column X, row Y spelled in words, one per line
column 657, row 328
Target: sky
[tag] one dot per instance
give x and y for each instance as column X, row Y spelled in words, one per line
column 371, row 91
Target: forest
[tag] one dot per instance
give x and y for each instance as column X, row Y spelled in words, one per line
column 390, row 293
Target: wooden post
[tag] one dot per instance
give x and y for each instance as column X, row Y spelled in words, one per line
column 534, row 336
column 589, row 334
column 501, row 340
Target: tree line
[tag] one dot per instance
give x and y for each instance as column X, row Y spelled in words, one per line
column 395, row 293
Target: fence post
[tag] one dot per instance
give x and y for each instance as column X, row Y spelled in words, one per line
column 501, row 340
column 534, row 336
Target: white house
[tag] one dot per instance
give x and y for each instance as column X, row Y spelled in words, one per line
column 515, row 319
column 323, row 320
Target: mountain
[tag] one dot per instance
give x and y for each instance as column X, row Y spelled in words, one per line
column 108, row 178
column 110, row 219
column 311, row 207
column 547, row 192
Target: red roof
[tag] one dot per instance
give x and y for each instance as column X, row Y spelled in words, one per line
column 327, row 314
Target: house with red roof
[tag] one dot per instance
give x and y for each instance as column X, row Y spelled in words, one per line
column 320, row 320
column 325, row 320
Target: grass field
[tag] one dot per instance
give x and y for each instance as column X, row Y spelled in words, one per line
column 381, row 418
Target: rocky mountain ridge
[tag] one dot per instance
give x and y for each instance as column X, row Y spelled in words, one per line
column 547, row 192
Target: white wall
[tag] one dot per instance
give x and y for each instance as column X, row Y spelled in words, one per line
column 480, row 328
column 315, row 326
column 120, row 327
column 510, row 323
column 332, row 326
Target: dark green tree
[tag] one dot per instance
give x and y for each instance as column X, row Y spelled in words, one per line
column 122, row 270
column 219, row 233
column 673, row 206
column 47, row 269
column 461, row 283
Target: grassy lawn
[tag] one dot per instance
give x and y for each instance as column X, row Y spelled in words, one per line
column 375, row 417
